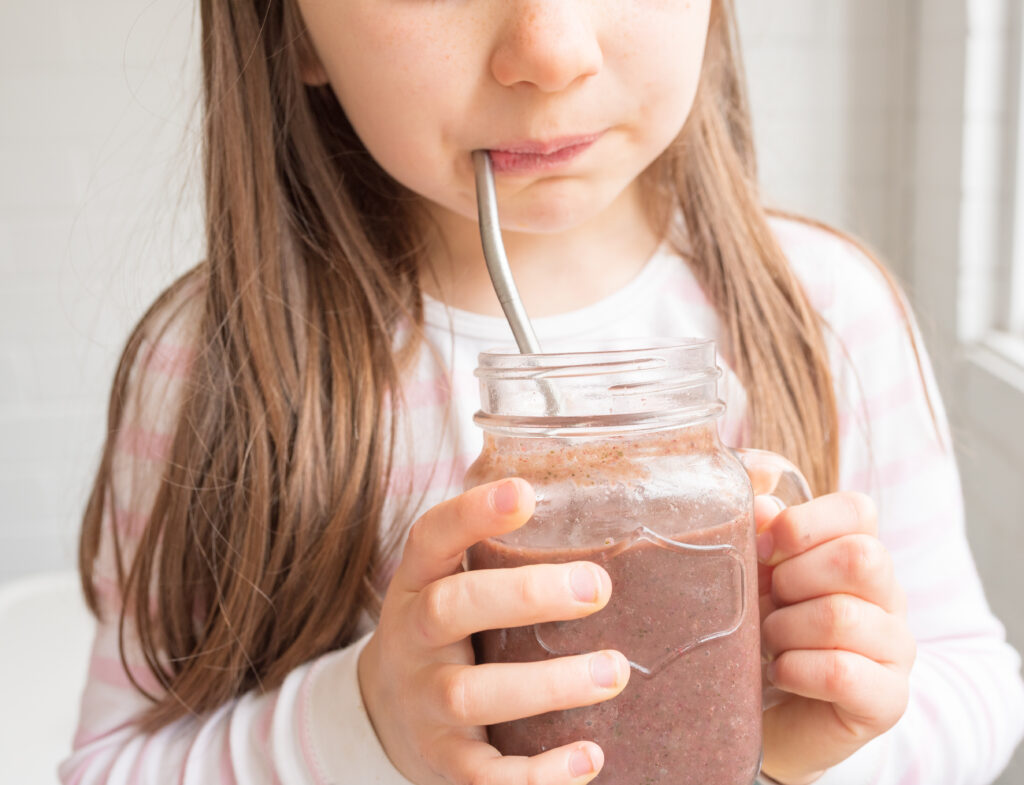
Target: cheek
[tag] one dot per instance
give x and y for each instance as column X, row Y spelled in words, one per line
column 396, row 79
column 662, row 59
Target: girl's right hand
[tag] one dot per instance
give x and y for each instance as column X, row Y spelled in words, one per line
column 428, row 701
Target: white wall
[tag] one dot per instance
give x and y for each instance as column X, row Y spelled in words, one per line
column 96, row 97
column 827, row 83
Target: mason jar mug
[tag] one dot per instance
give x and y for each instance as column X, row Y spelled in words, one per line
column 622, row 449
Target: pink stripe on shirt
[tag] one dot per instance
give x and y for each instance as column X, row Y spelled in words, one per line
column 933, row 717
column 896, row 472
column 970, row 695
column 130, row 524
column 869, row 327
column 302, row 721
column 144, row 444
column 110, row 670
column 938, row 594
column 938, row 525
column 430, row 392
column 264, row 727
column 227, row 769
column 428, row 475
column 689, row 291
column 169, row 359
column 900, row 395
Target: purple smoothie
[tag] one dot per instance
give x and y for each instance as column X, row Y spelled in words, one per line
column 621, row 447
column 695, row 717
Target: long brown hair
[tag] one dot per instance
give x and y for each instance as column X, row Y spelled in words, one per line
column 265, row 533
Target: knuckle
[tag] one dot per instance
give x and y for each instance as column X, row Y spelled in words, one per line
column 416, row 537
column 859, row 508
column 531, row 590
column 840, row 614
column 454, row 697
column 437, row 608
column 839, row 676
column 797, row 530
column 463, row 504
column 864, row 560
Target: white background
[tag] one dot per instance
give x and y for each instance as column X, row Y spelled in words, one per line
column 868, row 113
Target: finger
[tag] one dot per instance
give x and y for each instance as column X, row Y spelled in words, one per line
column 488, row 694
column 480, row 764
column 454, row 607
column 856, row 564
column 765, row 510
column 800, row 528
column 764, row 472
column 868, row 697
column 439, row 538
column 838, row 621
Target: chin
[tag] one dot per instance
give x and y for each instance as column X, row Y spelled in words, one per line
column 554, row 212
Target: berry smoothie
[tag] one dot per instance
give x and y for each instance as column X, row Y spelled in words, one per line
column 683, row 611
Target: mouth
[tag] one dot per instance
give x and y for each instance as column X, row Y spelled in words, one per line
column 537, row 156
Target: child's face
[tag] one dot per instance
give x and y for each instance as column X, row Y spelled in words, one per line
column 426, row 82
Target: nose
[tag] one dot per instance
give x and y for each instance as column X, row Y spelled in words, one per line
column 549, row 44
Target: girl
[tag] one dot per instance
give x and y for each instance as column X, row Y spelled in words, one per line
column 284, row 411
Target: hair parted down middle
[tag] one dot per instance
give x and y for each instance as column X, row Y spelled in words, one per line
column 265, row 536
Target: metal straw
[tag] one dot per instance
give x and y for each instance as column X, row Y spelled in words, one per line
column 494, row 254
column 500, row 272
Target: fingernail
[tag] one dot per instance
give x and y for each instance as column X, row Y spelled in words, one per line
column 604, row 670
column 765, row 545
column 580, row 763
column 769, row 672
column 505, row 498
column 779, row 506
column 584, row 584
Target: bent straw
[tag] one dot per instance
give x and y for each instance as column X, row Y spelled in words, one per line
column 494, row 254
column 500, row 272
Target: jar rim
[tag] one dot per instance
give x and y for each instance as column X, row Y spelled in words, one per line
column 615, row 346
column 638, row 383
column 599, row 427
column 598, row 358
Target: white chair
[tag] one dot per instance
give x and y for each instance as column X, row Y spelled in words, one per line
column 45, row 637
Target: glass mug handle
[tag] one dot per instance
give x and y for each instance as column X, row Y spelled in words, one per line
column 772, row 474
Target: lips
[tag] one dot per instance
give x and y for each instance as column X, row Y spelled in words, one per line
column 532, row 155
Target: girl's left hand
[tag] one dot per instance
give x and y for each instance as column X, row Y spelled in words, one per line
column 834, row 630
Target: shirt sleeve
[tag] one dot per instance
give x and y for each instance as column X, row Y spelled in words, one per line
column 313, row 729
column 966, row 708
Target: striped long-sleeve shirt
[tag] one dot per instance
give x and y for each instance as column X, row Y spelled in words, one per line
column 966, row 708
